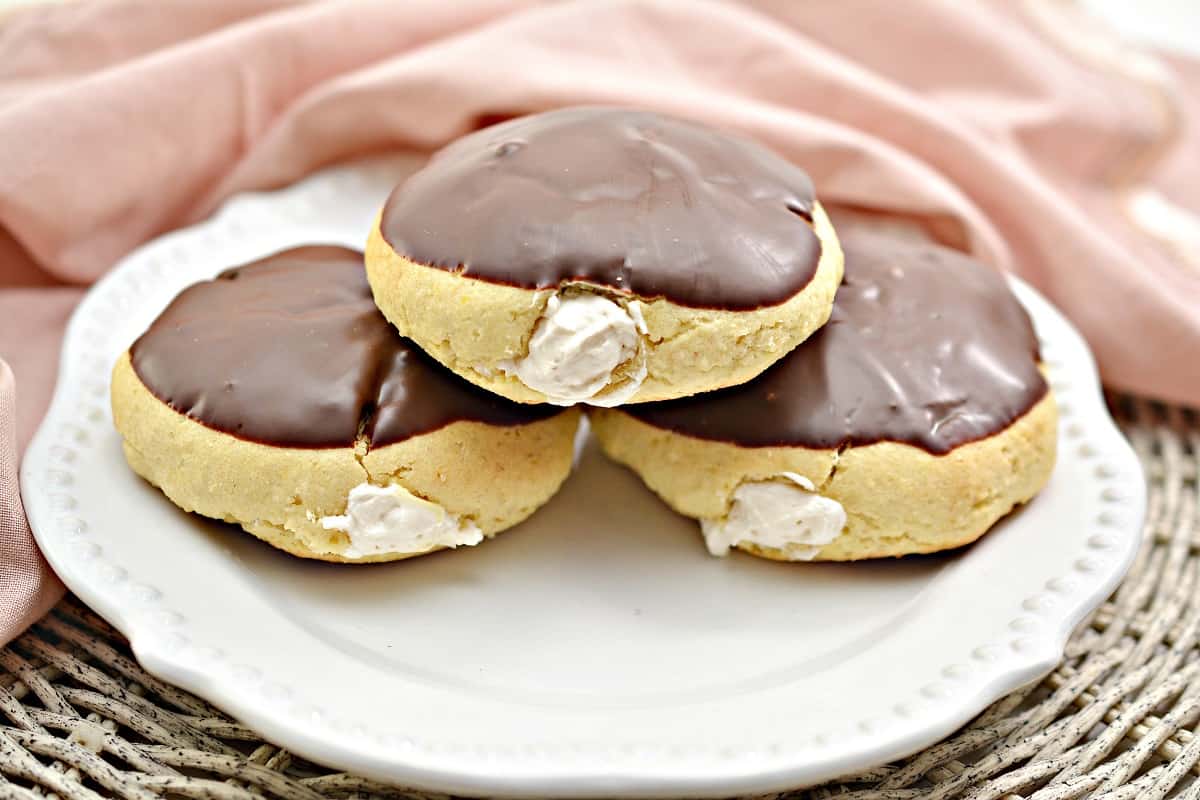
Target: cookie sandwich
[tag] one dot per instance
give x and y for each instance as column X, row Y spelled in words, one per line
column 910, row 423
column 604, row 256
column 278, row 398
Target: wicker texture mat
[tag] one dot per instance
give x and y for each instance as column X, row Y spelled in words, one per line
column 1117, row 719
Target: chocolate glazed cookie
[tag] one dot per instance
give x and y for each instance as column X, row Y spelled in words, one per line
column 910, row 423
column 277, row 397
column 604, row 256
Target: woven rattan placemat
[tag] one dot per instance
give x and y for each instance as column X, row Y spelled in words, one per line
column 1117, row 719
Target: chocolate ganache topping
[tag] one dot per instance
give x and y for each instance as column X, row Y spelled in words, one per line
column 292, row 351
column 925, row 346
column 630, row 200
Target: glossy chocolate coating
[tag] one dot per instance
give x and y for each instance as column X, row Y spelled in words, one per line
column 925, row 346
column 630, row 200
column 292, row 351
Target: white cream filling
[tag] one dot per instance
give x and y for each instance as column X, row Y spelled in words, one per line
column 391, row 519
column 579, row 341
column 784, row 513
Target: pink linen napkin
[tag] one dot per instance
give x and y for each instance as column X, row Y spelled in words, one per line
column 27, row 587
column 1021, row 132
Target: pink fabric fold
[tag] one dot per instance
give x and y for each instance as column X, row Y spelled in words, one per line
column 28, row 588
column 1024, row 134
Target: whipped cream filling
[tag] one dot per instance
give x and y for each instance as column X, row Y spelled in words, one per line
column 578, row 343
column 784, row 513
column 391, row 519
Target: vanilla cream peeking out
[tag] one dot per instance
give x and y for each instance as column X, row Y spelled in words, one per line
column 579, row 343
column 784, row 514
column 390, row 519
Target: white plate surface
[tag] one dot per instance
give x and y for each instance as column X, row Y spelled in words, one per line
column 594, row 650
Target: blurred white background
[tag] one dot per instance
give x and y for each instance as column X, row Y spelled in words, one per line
column 1172, row 24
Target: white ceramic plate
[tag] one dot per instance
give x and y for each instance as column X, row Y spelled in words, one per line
column 596, row 649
